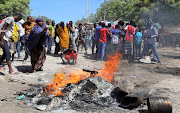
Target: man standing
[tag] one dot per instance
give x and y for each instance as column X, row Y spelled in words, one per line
column 21, row 40
column 53, row 31
column 116, row 35
column 52, row 34
column 56, row 40
column 28, row 25
column 97, row 36
column 81, row 38
column 7, row 29
column 47, row 23
column 93, row 37
column 102, row 41
column 128, row 41
column 71, row 30
column 89, row 41
column 50, row 30
column 14, row 39
column 150, row 37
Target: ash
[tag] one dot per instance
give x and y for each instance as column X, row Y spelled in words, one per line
column 90, row 95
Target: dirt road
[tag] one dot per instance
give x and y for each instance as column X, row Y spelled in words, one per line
column 162, row 78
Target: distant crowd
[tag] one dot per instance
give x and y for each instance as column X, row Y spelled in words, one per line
column 101, row 38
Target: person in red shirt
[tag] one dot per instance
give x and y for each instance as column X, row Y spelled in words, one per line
column 128, row 41
column 102, row 41
column 70, row 54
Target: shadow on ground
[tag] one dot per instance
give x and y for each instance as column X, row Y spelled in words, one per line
column 169, row 56
column 2, row 74
column 93, row 57
column 163, row 70
column 89, row 56
column 143, row 111
column 24, row 69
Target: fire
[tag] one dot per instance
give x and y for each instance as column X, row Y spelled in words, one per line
column 110, row 67
column 61, row 79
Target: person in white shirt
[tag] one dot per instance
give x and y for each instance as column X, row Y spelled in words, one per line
column 89, row 42
column 6, row 31
column 75, row 36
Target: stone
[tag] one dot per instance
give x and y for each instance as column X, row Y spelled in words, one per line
column 55, row 102
column 43, row 74
column 124, row 85
column 35, row 100
column 12, row 80
column 39, row 79
column 4, row 98
column 24, row 82
column 17, row 93
column 89, row 87
column 41, row 107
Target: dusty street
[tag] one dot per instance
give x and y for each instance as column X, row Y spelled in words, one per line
column 163, row 79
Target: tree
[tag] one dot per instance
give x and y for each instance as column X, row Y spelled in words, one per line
column 137, row 10
column 82, row 21
column 15, row 6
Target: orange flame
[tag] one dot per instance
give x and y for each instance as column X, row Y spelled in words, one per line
column 110, row 67
column 61, row 80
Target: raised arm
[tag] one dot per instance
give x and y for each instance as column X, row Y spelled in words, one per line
column 44, row 31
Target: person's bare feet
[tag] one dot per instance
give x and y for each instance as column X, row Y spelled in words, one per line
column 13, row 72
column 33, row 71
column 24, row 61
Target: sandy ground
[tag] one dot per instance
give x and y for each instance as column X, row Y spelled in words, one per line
column 145, row 75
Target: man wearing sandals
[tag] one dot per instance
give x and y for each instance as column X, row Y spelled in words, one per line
column 6, row 31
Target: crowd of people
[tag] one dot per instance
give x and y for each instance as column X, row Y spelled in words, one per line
column 101, row 38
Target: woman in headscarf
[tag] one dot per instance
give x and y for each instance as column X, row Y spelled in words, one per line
column 36, row 42
column 62, row 31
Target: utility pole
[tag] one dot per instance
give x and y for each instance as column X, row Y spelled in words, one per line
column 104, row 10
column 87, row 19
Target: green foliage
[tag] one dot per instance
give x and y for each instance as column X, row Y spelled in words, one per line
column 46, row 19
column 82, row 21
column 15, row 6
column 137, row 10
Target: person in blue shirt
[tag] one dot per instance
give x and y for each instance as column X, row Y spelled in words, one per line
column 116, row 35
column 138, row 41
column 97, row 36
